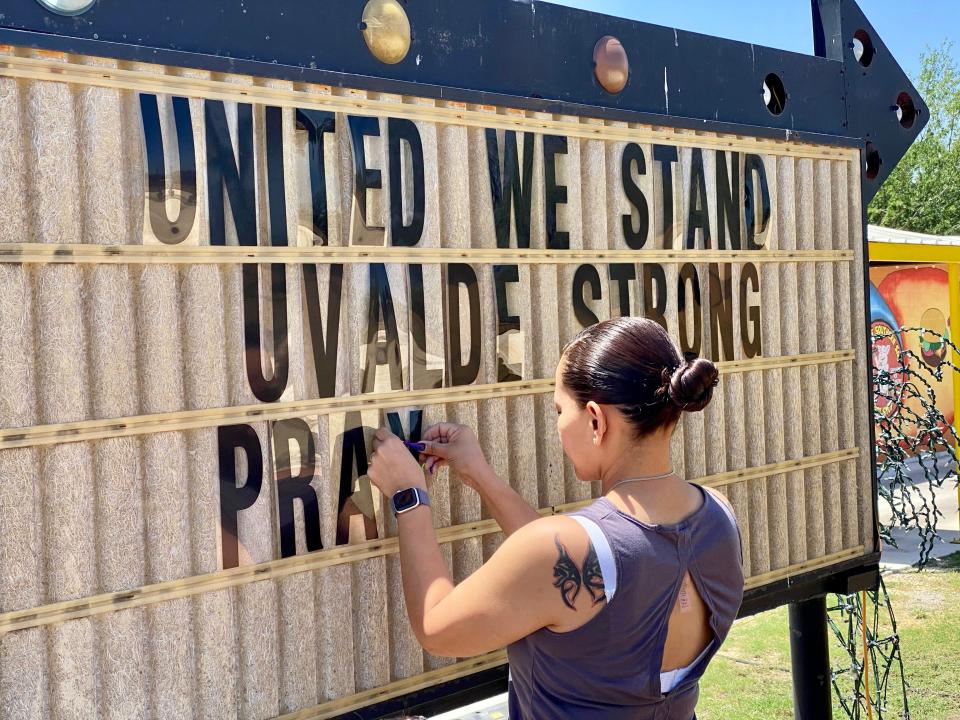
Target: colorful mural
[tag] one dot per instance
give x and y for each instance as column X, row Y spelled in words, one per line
column 910, row 296
column 887, row 350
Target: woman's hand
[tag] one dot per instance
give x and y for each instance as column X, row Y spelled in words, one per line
column 391, row 467
column 456, row 446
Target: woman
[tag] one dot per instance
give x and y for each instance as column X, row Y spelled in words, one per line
column 610, row 612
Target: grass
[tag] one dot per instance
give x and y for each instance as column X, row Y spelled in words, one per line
column 750, row 678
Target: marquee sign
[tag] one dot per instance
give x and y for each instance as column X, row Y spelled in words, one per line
column 220, row 276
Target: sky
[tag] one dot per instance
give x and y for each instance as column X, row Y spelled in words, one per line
column 906, row 26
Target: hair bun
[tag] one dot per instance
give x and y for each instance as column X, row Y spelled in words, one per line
column 691, row 384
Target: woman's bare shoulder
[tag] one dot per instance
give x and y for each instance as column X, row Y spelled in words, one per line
column 549, row 528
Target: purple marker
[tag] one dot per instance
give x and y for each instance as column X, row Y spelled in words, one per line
column 419, row 447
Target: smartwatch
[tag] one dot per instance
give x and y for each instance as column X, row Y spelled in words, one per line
column 406, row 500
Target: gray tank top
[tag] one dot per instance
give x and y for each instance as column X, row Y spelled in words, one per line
column 610, row 668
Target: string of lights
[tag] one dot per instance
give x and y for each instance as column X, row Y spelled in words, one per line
column 912, row 436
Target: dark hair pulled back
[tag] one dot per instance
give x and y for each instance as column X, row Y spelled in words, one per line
column 632, row 364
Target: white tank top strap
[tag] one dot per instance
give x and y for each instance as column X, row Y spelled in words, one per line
column 608, row 565
column 726, row 510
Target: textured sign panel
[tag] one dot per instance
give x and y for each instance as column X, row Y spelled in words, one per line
column 214, row 289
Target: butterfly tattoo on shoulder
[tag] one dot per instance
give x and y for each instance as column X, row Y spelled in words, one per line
column 569, row 579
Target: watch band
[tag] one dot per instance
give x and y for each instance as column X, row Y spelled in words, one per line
column 409, row 499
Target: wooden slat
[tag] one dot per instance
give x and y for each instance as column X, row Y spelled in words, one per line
column 814, row 461
column 237, row 577
column 79, row 254
column 322, row 97
column 346, row 704
column 192, row 419
column 42, row 435
column 806, row 566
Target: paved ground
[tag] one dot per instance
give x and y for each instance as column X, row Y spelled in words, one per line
column 493, row 709
column 893, row 560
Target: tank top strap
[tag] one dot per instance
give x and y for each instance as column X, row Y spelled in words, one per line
column 728, row 513
column 722, row 506
column 605, row 557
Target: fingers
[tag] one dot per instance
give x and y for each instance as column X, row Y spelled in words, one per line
column 433, row 464
column 390, row 466
column 440, row 431
column 437, row 449
column 381, row 436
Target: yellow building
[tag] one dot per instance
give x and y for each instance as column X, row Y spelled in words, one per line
column 915, row 283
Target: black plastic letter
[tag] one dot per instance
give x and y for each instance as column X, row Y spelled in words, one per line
column 750, row 314
column 666, row 156
column 554, row 145
column 728, row 201
column 324, row 342
column 698, row 212
column 507, row 370
column 387, row 352
column 354, row 451
column 635, row 238
column 721, row 312
column 169, row 231
column 756, row 201
column 234, row 498
column 460, row 373
column 316, row 123
column 400, row 131
column 622, row 274
column 415, row 419
column 364, row 178
column 292, row 487
column 233, row 174
column 424, row 378
column 586, row 275
column 689, row 305
column 513, row 192
column 655, row 293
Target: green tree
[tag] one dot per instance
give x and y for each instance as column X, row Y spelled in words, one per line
column 923, row 192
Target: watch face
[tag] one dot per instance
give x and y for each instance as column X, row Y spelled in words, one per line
column 404, row 500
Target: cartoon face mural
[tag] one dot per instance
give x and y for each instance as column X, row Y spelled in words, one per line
column 933, row 349
column 911, row 296
column 887, row 352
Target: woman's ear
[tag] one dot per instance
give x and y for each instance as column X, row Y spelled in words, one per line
column 598, row 421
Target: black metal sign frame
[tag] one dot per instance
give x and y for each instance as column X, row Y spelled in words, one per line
column 853, row 90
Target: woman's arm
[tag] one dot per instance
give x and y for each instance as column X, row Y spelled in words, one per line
column 534, row 580
column 506, row 505
column 426, row 579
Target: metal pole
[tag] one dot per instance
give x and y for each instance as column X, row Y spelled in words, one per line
column 810, row 658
